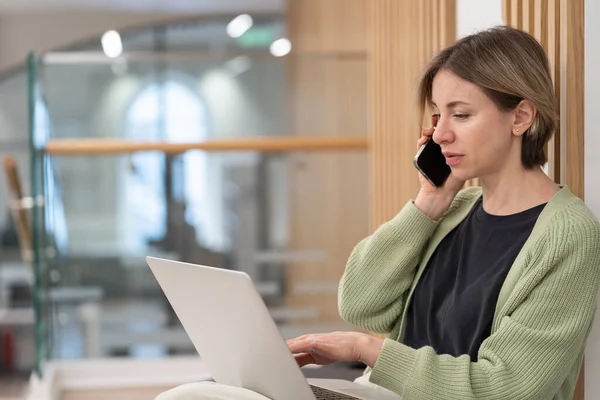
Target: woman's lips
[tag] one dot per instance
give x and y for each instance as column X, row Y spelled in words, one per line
column 452, row 159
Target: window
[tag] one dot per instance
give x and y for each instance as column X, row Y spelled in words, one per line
column 171, row 112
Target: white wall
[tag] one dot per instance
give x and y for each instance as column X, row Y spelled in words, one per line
column 476, row 15
column 592, row 168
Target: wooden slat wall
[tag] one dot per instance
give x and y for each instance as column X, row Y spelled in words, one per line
column 327, row 86
column 559, row 26
column 403, row 36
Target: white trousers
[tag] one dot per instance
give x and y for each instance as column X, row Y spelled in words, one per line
column 215, row 391
column 209, row 391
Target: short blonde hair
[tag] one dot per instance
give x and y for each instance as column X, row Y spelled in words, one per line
column 509, row 65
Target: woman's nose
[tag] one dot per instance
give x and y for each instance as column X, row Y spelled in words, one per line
column 442, row 133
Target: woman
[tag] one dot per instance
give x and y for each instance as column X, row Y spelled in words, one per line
column 486, row 293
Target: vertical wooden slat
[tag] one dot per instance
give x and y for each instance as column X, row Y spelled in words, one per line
column 540, row 22
column 381, row 13
column 403, row 37
column 555, row 21
column 528, row 15
column 435, row 24
column 328, row 12
column 575, row 96
column 542, row 18
column 447, row 23
column 421, row 34
column 562, row 94
column 553, row 50
column 540, row 32
column 327, row 95
column 516, row 17
column 507, row 11
column 426, row 32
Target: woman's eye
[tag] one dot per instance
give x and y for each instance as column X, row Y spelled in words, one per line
column 461, row 116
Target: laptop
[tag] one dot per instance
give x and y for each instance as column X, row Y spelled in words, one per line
column 237, row 339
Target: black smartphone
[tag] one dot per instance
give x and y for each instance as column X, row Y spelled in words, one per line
column 431, row 163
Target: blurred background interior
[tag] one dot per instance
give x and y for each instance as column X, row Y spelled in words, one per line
column 76, row 227
column 254, row 135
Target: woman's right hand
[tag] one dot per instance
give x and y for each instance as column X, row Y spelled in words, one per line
column 433, row 201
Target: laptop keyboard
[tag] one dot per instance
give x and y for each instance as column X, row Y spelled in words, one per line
column 324, row 394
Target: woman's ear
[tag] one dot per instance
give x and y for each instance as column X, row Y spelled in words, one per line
column 524, row 116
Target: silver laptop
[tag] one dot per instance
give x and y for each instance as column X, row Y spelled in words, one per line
column 236, row 338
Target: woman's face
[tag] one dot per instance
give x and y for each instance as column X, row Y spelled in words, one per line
column 476, row 137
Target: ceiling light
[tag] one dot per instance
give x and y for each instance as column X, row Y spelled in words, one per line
column 280, row 47
column 239, row 25
column 111, row 44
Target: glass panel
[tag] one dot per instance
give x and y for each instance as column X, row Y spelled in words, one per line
column 38, row 132
column 215, row 98
column 288, row 220
column 277, row 217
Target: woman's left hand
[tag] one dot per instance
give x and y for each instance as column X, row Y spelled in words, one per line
column 326, row 348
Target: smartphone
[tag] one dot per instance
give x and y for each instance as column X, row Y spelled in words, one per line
column 431, row 163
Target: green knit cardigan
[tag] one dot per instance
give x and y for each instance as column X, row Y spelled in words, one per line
column 541, row 322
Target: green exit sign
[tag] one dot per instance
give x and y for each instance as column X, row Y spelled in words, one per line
column 256, row 37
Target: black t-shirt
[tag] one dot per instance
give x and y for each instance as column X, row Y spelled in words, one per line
column 453, row 305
